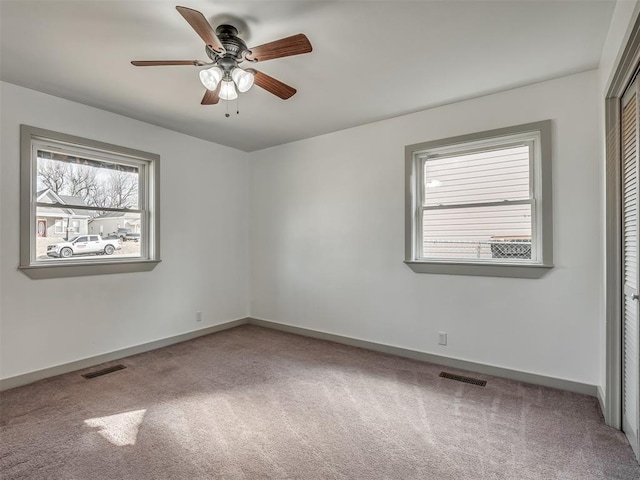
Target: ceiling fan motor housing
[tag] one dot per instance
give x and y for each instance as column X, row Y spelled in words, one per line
column 234, row 45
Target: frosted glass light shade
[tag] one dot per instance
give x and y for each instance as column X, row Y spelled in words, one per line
column 210, row 77
column 228, row 91
column 243, row 79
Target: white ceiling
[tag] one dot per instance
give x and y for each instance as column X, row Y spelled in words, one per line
column 371, row 60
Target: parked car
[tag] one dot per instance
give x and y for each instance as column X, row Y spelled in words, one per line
column 84, row 245
column 121, row 233
column 125, row 234
column 131, row 237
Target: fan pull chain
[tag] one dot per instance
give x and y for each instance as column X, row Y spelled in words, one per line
column 238, row 104
column 226, row 104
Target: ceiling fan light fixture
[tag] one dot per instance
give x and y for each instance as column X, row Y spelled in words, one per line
column 210, row 77
column 225, row 48
column 228, row 90
column 243, row 79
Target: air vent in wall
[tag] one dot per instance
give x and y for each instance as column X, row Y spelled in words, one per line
column 460, row 378
column 104, row 371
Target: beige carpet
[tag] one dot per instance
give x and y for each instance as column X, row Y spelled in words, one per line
column 252, row 403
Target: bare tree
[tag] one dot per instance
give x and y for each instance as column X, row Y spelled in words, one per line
column 82, row 182
column 53, row 175
column 123, row 189
column 118, row 190
column 101, row 188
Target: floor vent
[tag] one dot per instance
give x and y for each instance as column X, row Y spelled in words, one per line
column 104, row 371
column 460, row 378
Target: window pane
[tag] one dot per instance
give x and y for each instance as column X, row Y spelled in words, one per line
column 497, row 232
column 62, row 233
column 81, row 181
column 488, row 176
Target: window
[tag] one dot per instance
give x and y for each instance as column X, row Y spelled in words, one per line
column 480, row 204
column 74, row 194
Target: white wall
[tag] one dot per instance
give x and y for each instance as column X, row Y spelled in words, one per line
column 327, row 240
column 205, row 267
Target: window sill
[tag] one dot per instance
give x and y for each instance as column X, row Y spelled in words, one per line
column 38, row 272
column 480, row 269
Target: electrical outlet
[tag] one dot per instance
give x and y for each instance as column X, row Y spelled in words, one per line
column 198, row 316
column 442, row 338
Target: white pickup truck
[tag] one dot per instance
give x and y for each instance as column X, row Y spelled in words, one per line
column 83, row 245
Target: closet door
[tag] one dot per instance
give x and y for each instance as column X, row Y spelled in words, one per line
column 630, row 207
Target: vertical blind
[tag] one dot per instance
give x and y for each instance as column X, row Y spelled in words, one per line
column 630, row 263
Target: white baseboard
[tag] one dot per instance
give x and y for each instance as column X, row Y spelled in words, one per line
column 526, row 377
column 24, row 379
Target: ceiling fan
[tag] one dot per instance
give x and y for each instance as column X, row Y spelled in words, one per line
column 226, row 50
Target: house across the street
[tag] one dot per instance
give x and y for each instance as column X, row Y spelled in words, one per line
column 111, row 222
column 63, row 222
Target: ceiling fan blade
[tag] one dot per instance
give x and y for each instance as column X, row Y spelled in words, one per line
column 155, row 63
column 284, row 47
column 272, row 85
column 211, row 97
column 202, row 27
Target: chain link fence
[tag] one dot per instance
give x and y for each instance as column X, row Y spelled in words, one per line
column 493, row 248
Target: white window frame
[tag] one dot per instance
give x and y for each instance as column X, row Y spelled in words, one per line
column 538, row 136
column 33, row 139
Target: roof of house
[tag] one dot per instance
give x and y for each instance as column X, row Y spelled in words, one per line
column 66, row 199
column 71, row 200
column 63, row 199
column 110, row 215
